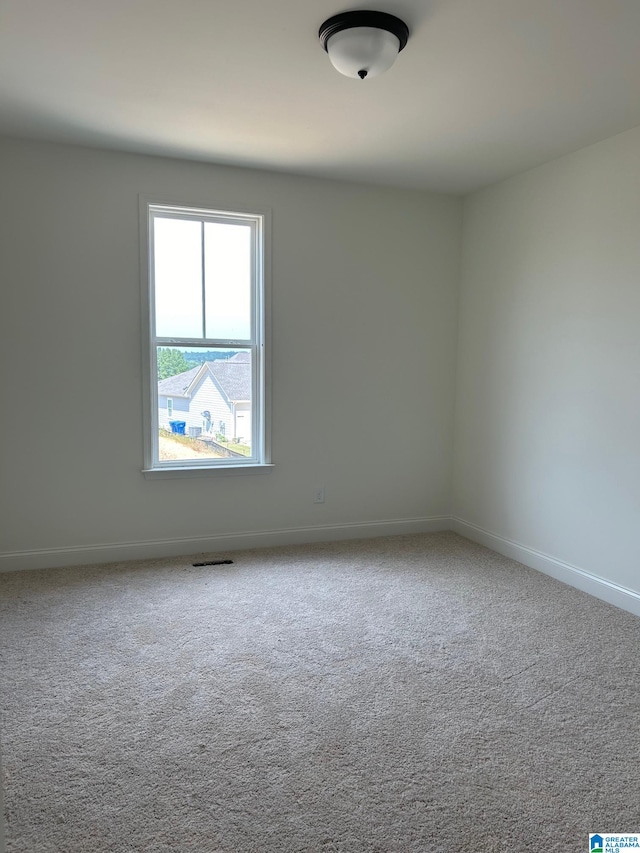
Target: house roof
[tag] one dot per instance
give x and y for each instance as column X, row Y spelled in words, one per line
column 178, row 385
column 233, row 375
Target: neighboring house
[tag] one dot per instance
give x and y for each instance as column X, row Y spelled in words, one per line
column 214, row 398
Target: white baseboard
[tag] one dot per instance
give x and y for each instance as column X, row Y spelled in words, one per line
column 600, row 588
column 115, row 552
column 44, row 558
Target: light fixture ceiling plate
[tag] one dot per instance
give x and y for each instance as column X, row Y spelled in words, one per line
column 364, row 18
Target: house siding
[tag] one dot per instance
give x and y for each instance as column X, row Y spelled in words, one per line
column 180, row 410
column 208, row 396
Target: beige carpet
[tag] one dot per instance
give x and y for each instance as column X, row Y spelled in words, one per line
column 415, row 693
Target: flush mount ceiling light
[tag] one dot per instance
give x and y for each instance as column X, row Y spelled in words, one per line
column 363, row 44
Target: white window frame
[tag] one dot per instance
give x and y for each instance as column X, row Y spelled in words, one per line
column 257, row 344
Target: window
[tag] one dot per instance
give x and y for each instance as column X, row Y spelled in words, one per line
column 206, row 327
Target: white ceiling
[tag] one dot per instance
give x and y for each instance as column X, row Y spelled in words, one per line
column 483, row 90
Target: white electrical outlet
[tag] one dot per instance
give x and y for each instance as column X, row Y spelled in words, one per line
column 318, row 495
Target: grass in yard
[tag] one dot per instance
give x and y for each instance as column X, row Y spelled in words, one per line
column 235, row 446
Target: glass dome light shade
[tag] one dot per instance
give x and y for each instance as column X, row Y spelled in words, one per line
column 363, row 49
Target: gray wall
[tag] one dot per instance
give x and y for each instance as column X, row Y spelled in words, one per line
column 365, row 318
column 364, row 328
column 547, row 449
column 2, row 839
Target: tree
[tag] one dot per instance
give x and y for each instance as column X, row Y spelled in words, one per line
column 170, row 362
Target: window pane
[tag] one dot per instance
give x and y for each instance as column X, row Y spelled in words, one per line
column 227, row 280
column 210, row 415
column 178, row 277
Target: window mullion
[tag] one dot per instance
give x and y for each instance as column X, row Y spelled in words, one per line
column 214, row 343
column 204, row 295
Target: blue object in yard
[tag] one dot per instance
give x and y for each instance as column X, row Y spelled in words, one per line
column 178, row 427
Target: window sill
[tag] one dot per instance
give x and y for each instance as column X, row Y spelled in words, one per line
column 226, row 471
